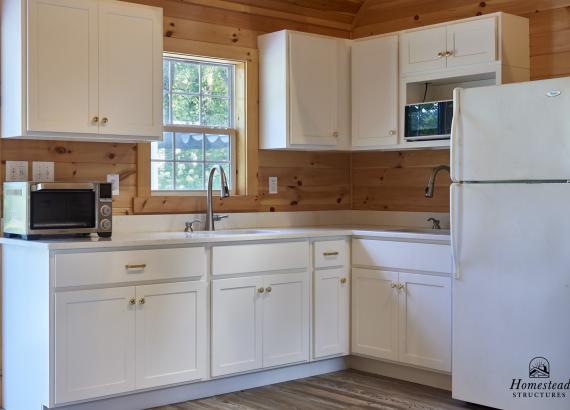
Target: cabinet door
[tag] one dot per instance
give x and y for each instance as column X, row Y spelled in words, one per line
column 472, row 42
column 94, row 343
column 130, row 64
column 63, row 66
column 423, row 49
column 313, row 89
column 425, row 321
column 171, row 331
column 331, row 312
column 285, row 319
column 375, row 313
column 236, row 325
column 375, row 92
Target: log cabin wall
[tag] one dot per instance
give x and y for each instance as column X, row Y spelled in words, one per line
column 313, row 181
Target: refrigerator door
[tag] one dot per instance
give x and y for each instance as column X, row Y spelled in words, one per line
column 514, row 132
column 512, row 299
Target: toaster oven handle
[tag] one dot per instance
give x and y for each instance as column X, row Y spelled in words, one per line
column 61, row 185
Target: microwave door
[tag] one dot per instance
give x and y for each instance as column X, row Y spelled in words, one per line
column 62, row 209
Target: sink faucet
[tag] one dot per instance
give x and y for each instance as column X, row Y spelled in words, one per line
column 224, row 193
column 431, row 183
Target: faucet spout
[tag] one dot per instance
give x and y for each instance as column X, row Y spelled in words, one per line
column 224, row 193
column 430, row 188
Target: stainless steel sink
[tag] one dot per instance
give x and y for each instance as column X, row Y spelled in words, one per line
column 422, row 230
column 233, row 232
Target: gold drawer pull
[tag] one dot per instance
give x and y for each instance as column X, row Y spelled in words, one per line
column 268, row 289
column 132, row 301
column 343, row 280
column 330, row 253
column 139, row 266
column 142, row 301
column 260, row 290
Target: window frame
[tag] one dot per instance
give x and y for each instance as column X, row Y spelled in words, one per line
column 230, row 131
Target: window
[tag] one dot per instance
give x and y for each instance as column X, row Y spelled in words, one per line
column 198, row 107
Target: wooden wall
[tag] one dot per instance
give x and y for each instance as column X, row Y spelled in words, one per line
column 313, row 181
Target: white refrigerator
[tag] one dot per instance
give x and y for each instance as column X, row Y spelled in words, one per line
column 510, row 234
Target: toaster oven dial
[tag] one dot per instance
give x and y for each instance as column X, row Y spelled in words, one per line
column 106, row 210
column 105, row 224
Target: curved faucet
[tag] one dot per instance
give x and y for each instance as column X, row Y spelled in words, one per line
column 431, row 183
column 224, row 193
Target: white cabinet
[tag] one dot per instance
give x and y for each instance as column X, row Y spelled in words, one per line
column 237, row 325
column 331, row 309
column 81, row 69
column 171, row 329
column 260, row 321
column 94, row 343
column 425, row 321
column 375, row 313
column 374, row 75
column 116, row 340
column 402, row 317
column 304, row 91
column 445, row 46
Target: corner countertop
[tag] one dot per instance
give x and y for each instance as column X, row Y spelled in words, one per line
column 144, row 239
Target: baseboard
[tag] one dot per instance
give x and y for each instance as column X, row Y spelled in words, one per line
column 398, row 371
column 194, row 391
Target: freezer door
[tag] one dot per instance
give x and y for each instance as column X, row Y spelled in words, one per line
column 512, row 299
column 512, row 132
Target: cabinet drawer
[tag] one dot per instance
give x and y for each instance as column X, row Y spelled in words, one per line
column 237, row 259
column 329, row 254
column 80, row 269
column 402, row 255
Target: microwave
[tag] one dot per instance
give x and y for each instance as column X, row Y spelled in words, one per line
column 428, row 121
column 39, row 209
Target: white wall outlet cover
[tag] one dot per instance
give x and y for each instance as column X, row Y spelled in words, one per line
column 114, row 180
column 16, row 170
column 273, row 185
column 42, row 171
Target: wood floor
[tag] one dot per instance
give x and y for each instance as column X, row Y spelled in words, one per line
column 348, row 389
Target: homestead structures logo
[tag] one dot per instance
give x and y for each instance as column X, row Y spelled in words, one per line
column 539, row 368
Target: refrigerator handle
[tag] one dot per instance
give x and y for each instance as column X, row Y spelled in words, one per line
column 455, row 228
column 454, row 135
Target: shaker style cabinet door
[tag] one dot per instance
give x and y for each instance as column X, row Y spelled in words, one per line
column 423, row 49
column 285, row 319
column 94, row 343
column 375, row 92
column 63, row 66
column 375, row 313
column 171, row 330
column 331, row 312
column 313, row 89
column 472, row 42
column 130, row 70
column 236, row 325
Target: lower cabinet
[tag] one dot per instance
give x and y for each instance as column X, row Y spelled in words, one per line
column 331, row 312
column 115, row 340
column 260, row 321
column 402, row 317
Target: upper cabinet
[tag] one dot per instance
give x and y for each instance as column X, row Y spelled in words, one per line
column 81, row 69
column 374, row 69
column 304, row 91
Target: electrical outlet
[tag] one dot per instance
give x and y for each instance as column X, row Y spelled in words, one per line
column 42, row 171
column 114, row 180
column 273, row 185
column 16, row 170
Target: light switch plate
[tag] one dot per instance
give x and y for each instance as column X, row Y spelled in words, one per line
column 16, row 170
column 114, row 180
column 42, row 171
column 273, row 185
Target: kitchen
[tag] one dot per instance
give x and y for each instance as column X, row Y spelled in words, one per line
column 314, row 137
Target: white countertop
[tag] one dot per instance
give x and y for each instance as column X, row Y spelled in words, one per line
column 233, row 235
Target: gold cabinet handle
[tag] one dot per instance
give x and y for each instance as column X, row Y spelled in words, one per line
column 448, row 53
column 104, row 120
column 132, row 301
column 441, row 54
column 392, row 132
column 260, row 290
column 136, row 266
column 335, row 134
column 95, row 119
column 142, row 301
column 330, row 253
column 343, row 280
column 268, row 289
column 393, row 285
column 401, row 286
